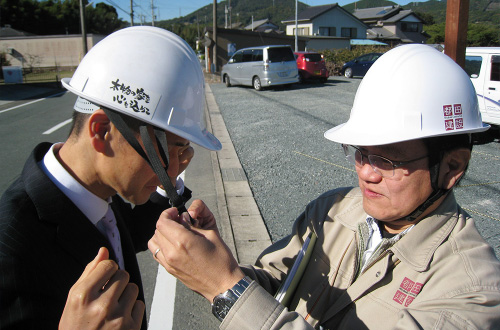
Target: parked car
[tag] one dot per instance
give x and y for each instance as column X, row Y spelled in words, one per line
column 359, row 65
column 311, row 65
column 482, row 64
column 261, row 67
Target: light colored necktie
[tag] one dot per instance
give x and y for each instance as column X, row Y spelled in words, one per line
column 109, row 224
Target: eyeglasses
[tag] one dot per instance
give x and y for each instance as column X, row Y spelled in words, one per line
column 380, row 165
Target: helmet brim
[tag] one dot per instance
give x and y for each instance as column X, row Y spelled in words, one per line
column 202, row 138
column 350, row 134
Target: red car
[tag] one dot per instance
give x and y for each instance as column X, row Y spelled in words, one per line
column 311, row 65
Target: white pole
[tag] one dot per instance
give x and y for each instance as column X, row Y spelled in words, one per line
column 296, row 28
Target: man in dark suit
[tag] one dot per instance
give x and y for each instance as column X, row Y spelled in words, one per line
column 105, row 186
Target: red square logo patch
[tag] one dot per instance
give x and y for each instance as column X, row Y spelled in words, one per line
column 416, row 288
column 459, row 123
column 407, row 284
column 448, row 110
column 399, row 297
column 408, row 301
column 457, row 109
column 448, row 124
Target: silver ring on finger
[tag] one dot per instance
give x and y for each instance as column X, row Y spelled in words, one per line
column 156, row 252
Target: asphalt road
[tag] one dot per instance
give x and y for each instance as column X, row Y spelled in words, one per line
column 278, row 136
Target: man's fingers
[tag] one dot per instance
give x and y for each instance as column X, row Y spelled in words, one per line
column 129, row 297
column 138, row 312
column 116, row 284
column 102, row 254
column 102, row 273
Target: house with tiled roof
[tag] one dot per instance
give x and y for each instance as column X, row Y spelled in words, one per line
column 392, row 25
column 326, row 27
column 263, row 25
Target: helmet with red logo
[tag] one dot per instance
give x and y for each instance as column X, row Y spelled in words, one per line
column 411, row 92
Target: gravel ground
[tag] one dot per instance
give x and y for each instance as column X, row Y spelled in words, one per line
column 278, row 135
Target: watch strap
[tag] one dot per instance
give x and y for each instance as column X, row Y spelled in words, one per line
column 223, row 302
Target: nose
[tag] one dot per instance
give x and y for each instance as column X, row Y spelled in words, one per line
column 366, row 173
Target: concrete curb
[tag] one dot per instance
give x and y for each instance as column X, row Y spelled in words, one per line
column 240, row 222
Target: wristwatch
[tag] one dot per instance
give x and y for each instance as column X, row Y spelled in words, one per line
column 224, row 301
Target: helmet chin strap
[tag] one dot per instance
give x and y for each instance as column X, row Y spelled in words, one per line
column 435, row 194
column 151, row 156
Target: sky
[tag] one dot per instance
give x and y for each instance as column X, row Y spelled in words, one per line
column 167, row 9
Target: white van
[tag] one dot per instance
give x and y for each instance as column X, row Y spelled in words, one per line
column 260, row 67
column 482, row 64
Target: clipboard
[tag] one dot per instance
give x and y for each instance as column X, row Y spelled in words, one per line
column 288, row 286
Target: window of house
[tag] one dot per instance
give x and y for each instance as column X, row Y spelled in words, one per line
column 409, row 27
column 304, row 31
column 349, row 32
column 327, row 31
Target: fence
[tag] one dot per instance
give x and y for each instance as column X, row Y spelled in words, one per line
column 39, row 74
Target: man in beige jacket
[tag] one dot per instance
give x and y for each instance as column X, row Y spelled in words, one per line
column 397, row 252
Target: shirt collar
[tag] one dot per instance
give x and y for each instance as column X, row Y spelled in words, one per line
column 92, row 206
column 374, row 228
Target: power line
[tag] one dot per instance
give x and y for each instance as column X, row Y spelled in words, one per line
column 111, row 2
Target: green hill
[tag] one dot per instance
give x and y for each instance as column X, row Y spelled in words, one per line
column 242, row 12
column 480, row 11
column 484, row 17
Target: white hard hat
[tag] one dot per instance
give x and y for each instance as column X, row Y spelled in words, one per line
column 148, row 73
column 410, row 92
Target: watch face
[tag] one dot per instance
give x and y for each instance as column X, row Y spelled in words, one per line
column 221, row 308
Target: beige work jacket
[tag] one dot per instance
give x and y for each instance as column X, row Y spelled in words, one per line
column 441, row 275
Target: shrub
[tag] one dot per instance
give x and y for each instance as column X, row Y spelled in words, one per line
column 335, row 58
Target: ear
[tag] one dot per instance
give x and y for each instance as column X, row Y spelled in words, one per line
column 453, row 166
column 99, row 127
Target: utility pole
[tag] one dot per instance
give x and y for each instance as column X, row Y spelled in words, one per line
column 131, row 12
column 455, row 40
column 230, row 12
column 296, row 27
column 214, row 13
column 84, row 29
column 152, row 13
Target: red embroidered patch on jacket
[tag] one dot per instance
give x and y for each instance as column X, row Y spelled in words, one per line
column 407, row 292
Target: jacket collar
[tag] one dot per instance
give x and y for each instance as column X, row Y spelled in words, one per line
column 73, row 229
column 417, row 247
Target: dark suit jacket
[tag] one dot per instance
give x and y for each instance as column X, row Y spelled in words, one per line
column 46, row 242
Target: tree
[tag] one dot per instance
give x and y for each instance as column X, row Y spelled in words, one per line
column 58, row 16
column 485, row 35
column 478, row 34
column 103, row 19
column 436, row 32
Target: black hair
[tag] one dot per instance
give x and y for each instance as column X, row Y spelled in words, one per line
column 80, row 118
column 438, row 146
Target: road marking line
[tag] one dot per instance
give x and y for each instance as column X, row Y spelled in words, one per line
column 481, row 214
column 484, row 154
column 162, row 307
column 161, row 316
column 477, row 184
column 324, row 161
column 28, row 103
column 58, row 126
